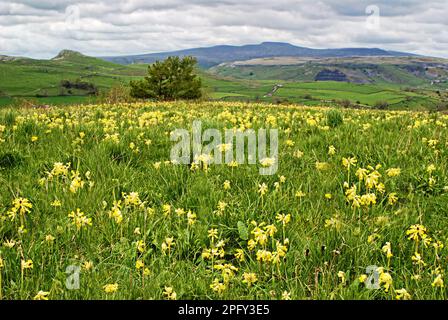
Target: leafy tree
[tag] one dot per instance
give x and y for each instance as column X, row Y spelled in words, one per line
column 172, row 79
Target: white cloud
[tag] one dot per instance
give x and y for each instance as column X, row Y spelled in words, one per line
column 41, row 28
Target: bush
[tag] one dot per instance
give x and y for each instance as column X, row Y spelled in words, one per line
column 334, row 118
column 346, row 103
column 116, row 94
column 382, row 105
column 172, row 79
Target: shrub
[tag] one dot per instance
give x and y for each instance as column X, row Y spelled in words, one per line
column 172, row 79
column 334, row 118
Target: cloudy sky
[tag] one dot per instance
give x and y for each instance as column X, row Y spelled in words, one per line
column 41, row 28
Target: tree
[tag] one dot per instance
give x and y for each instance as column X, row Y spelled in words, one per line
column 172, row 79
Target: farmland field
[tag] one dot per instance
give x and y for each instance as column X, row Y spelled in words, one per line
column 357, row 209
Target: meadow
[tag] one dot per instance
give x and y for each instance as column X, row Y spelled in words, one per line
column 357, row 209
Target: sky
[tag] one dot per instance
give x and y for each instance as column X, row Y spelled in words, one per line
column 41, row 28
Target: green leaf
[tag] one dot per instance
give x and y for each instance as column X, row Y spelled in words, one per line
column 242, row 230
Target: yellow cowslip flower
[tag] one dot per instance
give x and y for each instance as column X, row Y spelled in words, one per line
column 132, row 199
column 392, row 199
column 157, row 165
column 298, row 154
column 381, row 187
column 141, row 246
column 213, row 234
column 260, row 236
column 331, row 150
column 282, row 248
column 321, row 166
column 227, row 270
column 34, row 138
column 239, row 254
column 179, row 212
column 166, row 209
column 333, row 222
column 169, row 242
column 49, row 238
column 249, row 278
column 368, row 199
column 371, row 238
column 438, row 282
column 27, row 264
column 139, row 264
column 77, row 183
column 111, row 288
column 217, row 286
column 271, row 230
column 387, row 250
column 385, row 280
column 146, row 272
column 191, row 218
column 438, row 245
column 286, row 295
column 262, row 189
column 226, row 185
column 361, row 174
column 115, row 213
column 56, row 203
column 264, row 256
column 350, row 193
column 431, row 168
column 233, row 164
column 169, row 293
column 9, row 244
column 393, row 172
column 402, row 294
column 221, row 206
column 300, row 194
column 87, row 265
column 41, row 295
column 417, row 259
column 79, row 219
column 416, row 232
column 251, row 244
column 342, row 276
column 349, row 162
column 284, row 219
column 328, row 196
column 22, row 205
column 372, row 179
column 362, row 278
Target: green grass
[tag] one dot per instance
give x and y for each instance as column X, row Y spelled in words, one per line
column 40, row 80
column 330, row 242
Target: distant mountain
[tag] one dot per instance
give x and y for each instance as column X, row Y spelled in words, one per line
column 211, row 56
column 67, row 54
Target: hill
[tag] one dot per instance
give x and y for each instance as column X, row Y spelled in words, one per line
column 68, row 75
column 211, row 56
column 405, row 71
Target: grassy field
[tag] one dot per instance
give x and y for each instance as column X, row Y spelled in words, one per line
column 40, row 80
column 93, row 187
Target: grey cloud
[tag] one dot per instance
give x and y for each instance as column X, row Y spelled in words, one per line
column 41, row 28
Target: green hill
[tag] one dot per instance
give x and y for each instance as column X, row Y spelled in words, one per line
column 23, row 77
